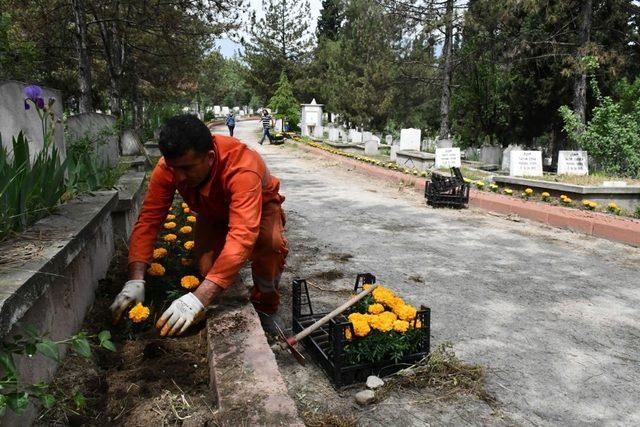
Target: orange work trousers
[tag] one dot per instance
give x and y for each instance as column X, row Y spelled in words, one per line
column 267, row 259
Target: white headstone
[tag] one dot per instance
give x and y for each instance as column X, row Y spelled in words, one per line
column 356, row 137
column 393, row 156
column 129, row 143
column 370, row 147
column 410, row 139
column 334, row 134
column 217, row 110
column 376, row 138
column 506, row 156
column 573, row 163
column 447, row 157
column 389, row 139
column 525, row 163
column 236, row 109
column 278, row 125
column 225, row 111
column 367, row 136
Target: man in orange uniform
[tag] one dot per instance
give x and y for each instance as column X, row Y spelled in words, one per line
column 239, row 219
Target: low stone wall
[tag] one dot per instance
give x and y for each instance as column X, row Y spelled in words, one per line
column 625, row 197
column 131, row 189
column 412, row 159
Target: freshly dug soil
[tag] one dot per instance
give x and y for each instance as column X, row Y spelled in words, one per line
column 148, row 381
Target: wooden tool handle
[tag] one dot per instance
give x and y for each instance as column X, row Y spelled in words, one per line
column 305, row 332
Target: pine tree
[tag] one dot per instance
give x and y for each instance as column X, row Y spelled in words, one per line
column 330, row 19
column 278, row 42
column 284, row 103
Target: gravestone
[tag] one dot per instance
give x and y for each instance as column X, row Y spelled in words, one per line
column 129, row 143
column 334, row 134
column 251, row 111
column 376, row 138
column 491, row 155
column 410, row 139
column 525, row 163
column 101, row 131
column 506, row 156
column 444, row 143
column 356, row 137
column 311, row 119
column 14, row 118
column 367, row 136
column 225, row 111
column 447, row 157
column 217, row 110
column 393, row 153
column 343, row 136
column 278, row 125
column 573, row 163
column 236, row 109
column 471, row 154
column 371, row 147
column 389, row 139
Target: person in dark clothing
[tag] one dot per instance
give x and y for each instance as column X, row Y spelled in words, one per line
column 230, row 121
column 267, row 122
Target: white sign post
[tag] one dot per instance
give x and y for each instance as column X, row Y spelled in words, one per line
column 525, row 163
column 410, row 139
column 573, row 163
column 447, row 157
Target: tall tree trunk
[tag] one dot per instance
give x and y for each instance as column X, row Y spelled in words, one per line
column 114, row 53
column 580, row 88
column 84, row 64
column 447, row 52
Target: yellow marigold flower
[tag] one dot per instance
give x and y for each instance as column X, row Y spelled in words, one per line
column 528, row 191
column 388, row 316
column 545, row 195
column 563, row 196
column 184, row 205
column 593, row 205
column 586, row 202
column 186, row 229
column 418, row 324
column 394, row 303
column 400, row 326
column 406, row 312
column 171, row 217
column 186, row 262
column 382, row 323
column 189, row 245
column 612, row 206
column 170, row 225
column 566, row 200
column 186, row 210
column 365, row 287
column 159, row 253
column 508, row 191
column 361, row 329
column 189, row 282
column 375, row 309
column 139, row 313
column 347, row 334
column 156, row 269
column 382, row 294
column 191, row 218
column 170, row 237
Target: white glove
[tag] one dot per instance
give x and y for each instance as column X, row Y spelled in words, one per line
column 182, row 313
column 131, row 294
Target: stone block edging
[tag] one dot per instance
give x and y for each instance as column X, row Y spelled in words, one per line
column 596, row 224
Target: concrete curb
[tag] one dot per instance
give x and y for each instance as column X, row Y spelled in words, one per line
column 243, row 372
column 596, row 224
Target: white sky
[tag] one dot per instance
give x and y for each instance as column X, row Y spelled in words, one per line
column 229, row 47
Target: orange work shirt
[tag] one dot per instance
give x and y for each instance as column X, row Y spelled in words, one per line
column 232, row 198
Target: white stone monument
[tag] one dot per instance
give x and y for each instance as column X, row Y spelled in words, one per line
column 334, row 134
column 393, row 156
column 410, row 139
column 356, row 137
column 225, row 111
column 371, row 147
column 506, row 156
column 311, row 119
column 447, row 157
column 388, row 139
column 525, row 163
column 278, row 125
column 217, row 110
column 573, row 163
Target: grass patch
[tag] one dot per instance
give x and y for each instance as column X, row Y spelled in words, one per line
column 593, row 179
column 315, row 419
column 443, row 372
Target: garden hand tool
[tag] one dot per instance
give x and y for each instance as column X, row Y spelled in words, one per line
column 289, row 343
column 132, row 293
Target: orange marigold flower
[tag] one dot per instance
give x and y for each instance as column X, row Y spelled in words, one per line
column 184, row 205
column 376, row 308
column 159, row 253
column 186, row 229
column 400, row 326
column 169, row 225
column 170, row 237
column 139, row 313
column 189, row 245
column 156, row 269
column 186, row 210
column 191, row 218
column 171, row 217
column 189, row 282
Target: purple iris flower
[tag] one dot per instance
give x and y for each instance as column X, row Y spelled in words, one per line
column 34, row 94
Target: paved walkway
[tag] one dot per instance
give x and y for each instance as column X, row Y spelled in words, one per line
column 553, row 315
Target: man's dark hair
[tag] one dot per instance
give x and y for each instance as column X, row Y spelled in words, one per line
column 183, row 133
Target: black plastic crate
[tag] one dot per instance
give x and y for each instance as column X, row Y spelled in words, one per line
column 447, row 191
column 326, row 344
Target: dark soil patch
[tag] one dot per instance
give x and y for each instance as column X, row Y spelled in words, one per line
column 148, row 380
column 329, row 275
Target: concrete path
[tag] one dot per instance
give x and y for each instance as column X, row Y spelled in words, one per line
column 553, row 315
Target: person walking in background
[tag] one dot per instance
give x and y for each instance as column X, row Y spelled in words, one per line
column 230, row 121
column 267, row 122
